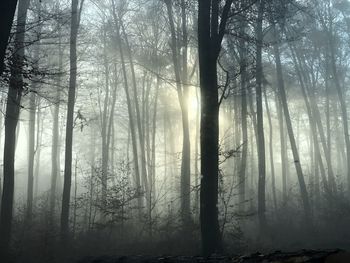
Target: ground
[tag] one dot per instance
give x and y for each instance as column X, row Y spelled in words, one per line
column 311, row 256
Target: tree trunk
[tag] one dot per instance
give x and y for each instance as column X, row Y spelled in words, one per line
column 244, row 113
column 92, row 176
column 154, row 130
column 210, row 35
column 110, row 129
column 260, row 121
column 104, row 124
column 182, row 92
column 130, row 110
column 209, row 157
column 317, row 116
column 311, row 114
column 186, row 144
column 75, row 196
column 31, row 154
column 196, row 157
column 343, row 108
column 271, row 143
column 11, row 119
column 283, row 98
column 138, row 116
column 284, row 153
column 39, row 135
column 315, row 124
column 70, row 124
column 209, row 127
column 55, row 153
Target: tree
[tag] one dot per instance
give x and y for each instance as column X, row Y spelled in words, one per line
column 182, row 92
column 13, row 107
column 260, row 120
column 55, row 149
column 131, row 112
column 284, row 104
column 342, row 99
column 244, row 112
column 8, row 9
column 75, row 19
column 31, row 128
column 211, row 31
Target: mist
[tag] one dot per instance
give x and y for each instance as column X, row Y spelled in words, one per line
column 173, row 127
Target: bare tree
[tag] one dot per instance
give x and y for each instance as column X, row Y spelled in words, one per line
column 260, row 120
column 75, row 19
column 211, row 31
column 182, row 92
column 11, row 119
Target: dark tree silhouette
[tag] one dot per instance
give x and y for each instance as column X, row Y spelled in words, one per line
column 211, row 32
column 13, row 107
column 7, row 12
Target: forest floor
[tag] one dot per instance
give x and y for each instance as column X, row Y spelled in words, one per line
column 314, row 256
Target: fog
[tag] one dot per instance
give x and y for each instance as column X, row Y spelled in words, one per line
column 174, row 127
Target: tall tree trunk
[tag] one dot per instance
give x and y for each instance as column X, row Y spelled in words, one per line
column 319, row 164
column 254, row 136
column 104, row 124
column 311, row 114
column 317, row 116
column 11, row 119
column 55, row 152
column 271, row 143
column 31, row 135
column 39, row 136
column 244, row 113
column 75, row 196
column 138, row 116
column 209, row 156
column 130, row 109
column 165, row 153
column 182, row 92
column 315, row 124
column 283, row 144
column 283, row 98
column 120, row 25
column 236, row 109
column 343, row 108
column 328, row 114
column 196, row 157
column 210, row 35
column 260, row 121
column 186, row 144
column 70, row 125
column 2, row 103
column 146, row 136
column 209, row 126
column 31, row 154
column 92, row 176
column 110, row 129
column 154, row 130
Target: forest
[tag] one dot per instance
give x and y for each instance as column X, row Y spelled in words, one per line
column 173, row 127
